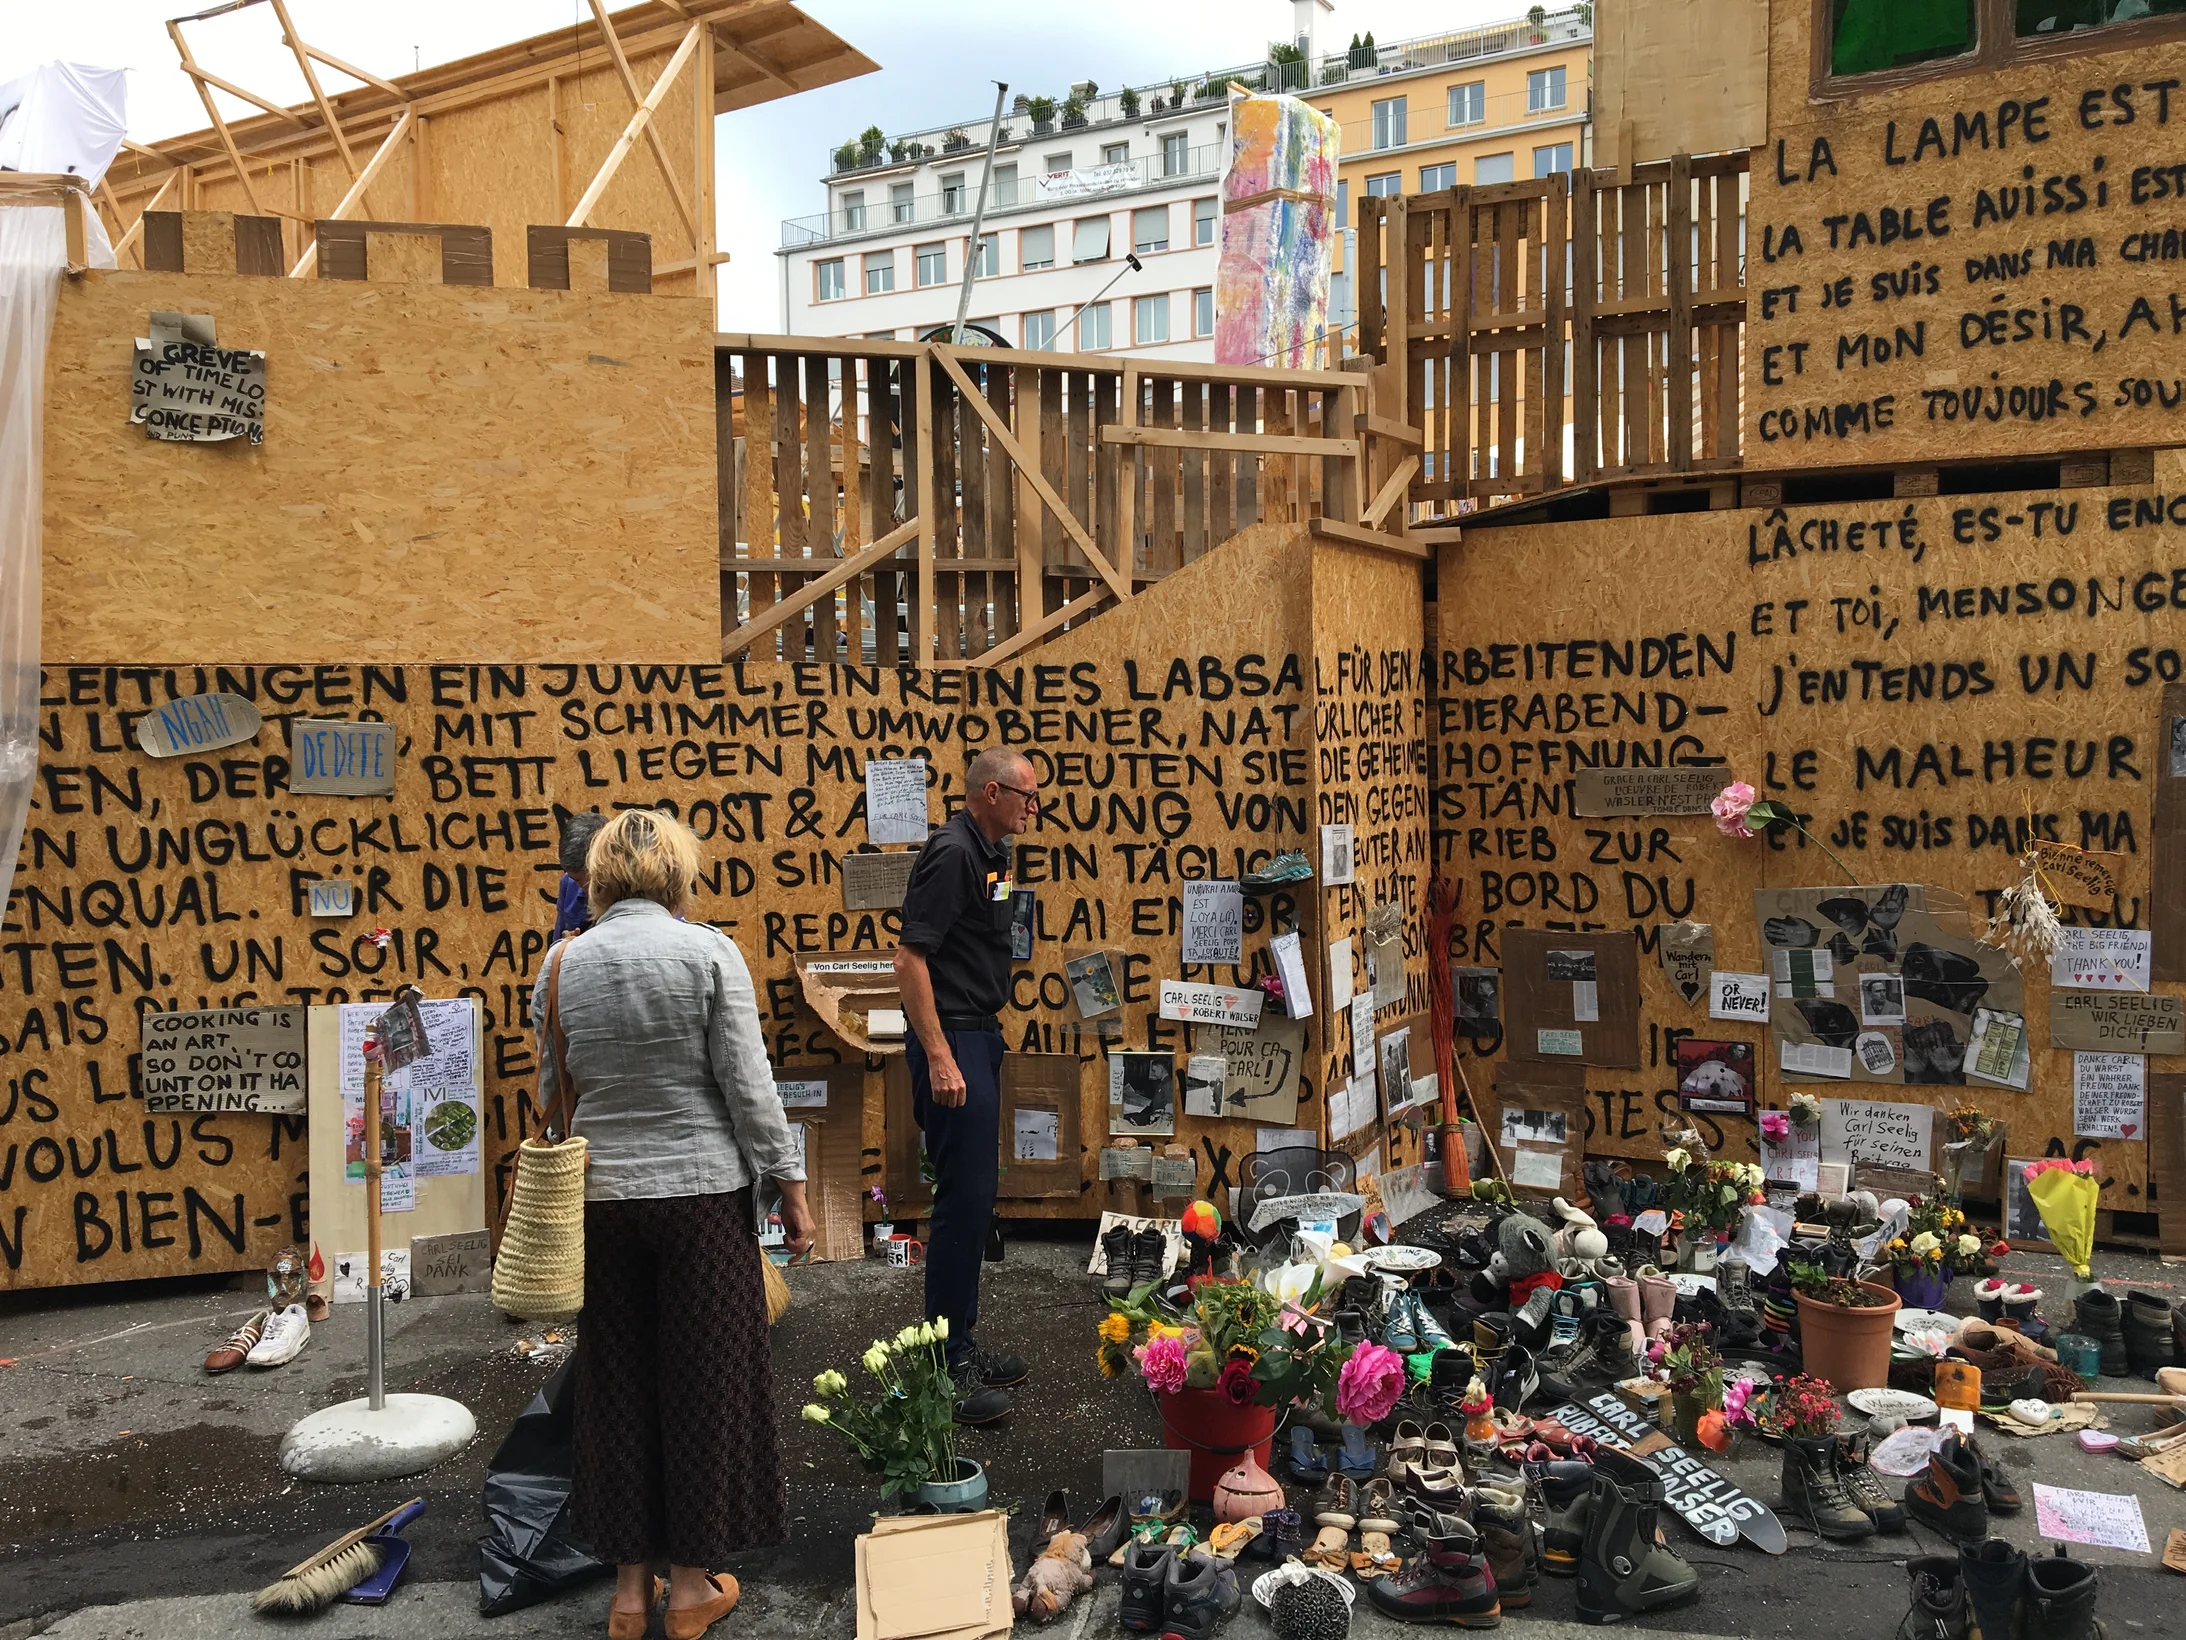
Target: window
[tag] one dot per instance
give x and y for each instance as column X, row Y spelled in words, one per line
column 831, row 279
column 1491, row 168
column 1040, row 330
column 880, row 273
column 1343, row 203
column 1203, row 220
column 990, row 256
column 854, row 213
column 1035, row 248
column 1149, row 320
column 1340, row 313
column 1869, row 34
column 1469, row 103
column 1093, row 328
column 1005, row 185
column 880, row 335
column 1150, row 229
column 1115, row 153
column 952, row 194
column 899, row 202
column 1176, row 154
column 932, row 265
column 1389, row 123
column 1057, row 162
column 1544, row 89
column 1552, row 160
column 1381, row 187
column 1432, row 177
column 1203, row 312
column 1089, row 240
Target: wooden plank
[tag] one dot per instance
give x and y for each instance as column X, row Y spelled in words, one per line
column 1729, row 237
column 1632, row 246
column 1164, row 466
column 1331, row 529
column 948, row 538
column 1373, row 328
column 1186, row 438
column 1002, row 514
column 1555, row 239
column 1078, row 467
column 1105, row 465
column 855, row 532
column 1510, row 404
column 760, row 534
column 820, row 493
column 1249, row 414
column 1678, row 342
column 353, row 200
column 971, row 446
column 885, row 377
column 819, row 590
column 1390, row 493
column 726, row 495
column 1454, row 457
column 1029, row 407
column 652, row 134
column 641, row 123
column 1046, row 625
column 1193, row 417
column 1131, row 478
column 920, row 439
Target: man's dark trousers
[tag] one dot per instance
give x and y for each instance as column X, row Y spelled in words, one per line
column 962, row 1142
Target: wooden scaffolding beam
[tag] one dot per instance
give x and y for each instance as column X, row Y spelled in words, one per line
column 308, row 262
column 640, row 123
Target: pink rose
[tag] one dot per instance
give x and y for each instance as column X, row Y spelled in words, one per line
column 1369, row 1384
column 1775, row 1126
column 1161, row 1363
column 1730, row 806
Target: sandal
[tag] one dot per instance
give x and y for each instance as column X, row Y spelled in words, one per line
column 1553, row 1435
column 1306, row 1462
column 1376, row 1558
column 1511, row 1426
column 1331, row 1549
column 692, row 1621
column 1356, row 1455
column 1226, row 1540
column 631, row 1625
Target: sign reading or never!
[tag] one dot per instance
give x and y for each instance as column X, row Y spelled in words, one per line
column 223, row 1059
column 197, row 723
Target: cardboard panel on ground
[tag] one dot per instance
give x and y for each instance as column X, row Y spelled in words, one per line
column 1926, row 691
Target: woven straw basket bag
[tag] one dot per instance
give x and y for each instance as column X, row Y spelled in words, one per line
column 538, row 1267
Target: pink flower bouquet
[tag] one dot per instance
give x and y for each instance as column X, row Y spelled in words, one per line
column 1369, row 1384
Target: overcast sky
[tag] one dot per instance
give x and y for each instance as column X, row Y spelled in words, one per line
column 937, row 62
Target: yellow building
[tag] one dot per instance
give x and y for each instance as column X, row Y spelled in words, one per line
column 1500, row 103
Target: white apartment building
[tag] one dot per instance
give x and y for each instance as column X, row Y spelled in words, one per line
column 1075, row 196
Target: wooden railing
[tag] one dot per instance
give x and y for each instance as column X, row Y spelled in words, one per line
column 1470, row 296
column 1057, row 483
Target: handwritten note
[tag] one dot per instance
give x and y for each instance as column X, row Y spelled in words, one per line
column 1738, row 996
column 224, row 1059
column 1210, row 1004
column 2117, row 1022
column 2111, row 1520
column 340, row 759
column 1214, row 922
column 1290, row 968
column 895, row 800
column 2102, row 959
column 2109, row 1095
column 332, row 897
column 1880, row 1135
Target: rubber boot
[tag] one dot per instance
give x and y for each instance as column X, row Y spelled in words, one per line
column 1994, row 1576
column 1947, row 1496
column 1624, row 1566
column 1938, row 1611
column 2148, row 1343
column 1507, row 1536
column 2096, row 1315
column 2059, row 1599
column 1624, row 1298
column 1567, row 1490
column 1813, row 1488
column 1448, row 1582
column 1658, row 1297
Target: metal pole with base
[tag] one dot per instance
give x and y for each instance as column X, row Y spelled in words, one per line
column 380, row 1436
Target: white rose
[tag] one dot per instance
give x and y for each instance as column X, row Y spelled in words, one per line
column 1926, row 1242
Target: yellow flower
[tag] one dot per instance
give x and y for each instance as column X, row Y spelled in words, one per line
column 1116, row 1328
column 1110, row 1366
column 815, row 1414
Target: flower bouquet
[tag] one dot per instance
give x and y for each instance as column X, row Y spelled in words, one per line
column 907, row 1433
column 1685, row 1359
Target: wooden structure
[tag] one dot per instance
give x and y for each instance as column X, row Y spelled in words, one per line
column 608, row 123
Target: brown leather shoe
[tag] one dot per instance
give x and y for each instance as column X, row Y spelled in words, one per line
column 230, row 1355
column 689, row 1622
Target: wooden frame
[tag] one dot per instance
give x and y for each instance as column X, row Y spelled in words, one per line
column 1996, row 45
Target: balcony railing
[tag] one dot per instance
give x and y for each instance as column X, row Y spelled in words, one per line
column 881, row 214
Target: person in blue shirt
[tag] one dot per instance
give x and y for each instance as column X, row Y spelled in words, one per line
column 572, row 913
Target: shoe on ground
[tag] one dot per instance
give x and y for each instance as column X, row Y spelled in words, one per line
column 1448, row 1581
column 1814, row 1489
column 1149, row 1254
column 1201, row 1590
column 1947, row 1494
column 1116, row 1253
column 2149, row 1346
column 1994, row 1577
column 239, row 1345
column 286, row 1333
column 2058, row 1602
column 1997, row 1490
column 1506, row 1535
column 2097, row 1315
column 1625, row 1568
column 977, row 1401
column 1938, row 1608
column 1866, row 1488
column 999, row 1369
column 1143, row 1606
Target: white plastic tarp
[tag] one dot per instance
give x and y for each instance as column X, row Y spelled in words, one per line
column 63, row 118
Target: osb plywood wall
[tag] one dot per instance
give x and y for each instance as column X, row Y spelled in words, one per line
column 1174, row 738
column 1908, row 675
column 1648, row 103
column 483, row 475
column 1972, row 266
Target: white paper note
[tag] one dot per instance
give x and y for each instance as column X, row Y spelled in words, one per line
column 2102, row 959
column 1290, row 968
column 1336, row 859
column 1339, row 972
column 2111, row 1519
column 1739, row 996
column 1214, row 922
column 895, row 800
column 2110, row 1095
column 1362, row 1034
column 1814, row 1059
column 1537, row 1169
column 1038, row 1135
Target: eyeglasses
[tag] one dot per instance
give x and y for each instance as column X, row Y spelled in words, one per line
column 1032, row 798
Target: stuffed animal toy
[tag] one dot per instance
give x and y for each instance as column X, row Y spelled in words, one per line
column 1524, row 1247
column 1055, row 1577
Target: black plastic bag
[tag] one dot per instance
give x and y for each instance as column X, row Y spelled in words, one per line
column 531, row 1552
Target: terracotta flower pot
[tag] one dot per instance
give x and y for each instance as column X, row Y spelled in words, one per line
column 1216, row 1432
column 1850, row 1348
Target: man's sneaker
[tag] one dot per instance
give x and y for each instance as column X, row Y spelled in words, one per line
column 240, row 1342
column 287, row 1332
column 977, row 1401
column 1146, row 1571
column 1116, row 1251
column 999, row 1369
column 1200, row 1592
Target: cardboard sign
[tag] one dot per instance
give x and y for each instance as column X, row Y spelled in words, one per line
column 2117, row 1022
column 875, row 882
column 1900, row 1137
column 1211, row 1004
column 1260, row 1069
column 1544, row 993
column 1597, row 793
column 197, row 723
column 224, row 1059
column 1688, row 957
column 2111, row 1520
column 461, row 1262
column 331, row 758
column 331, row 897
column 1703, row 1499
column 187, row 389
column 2078, row 876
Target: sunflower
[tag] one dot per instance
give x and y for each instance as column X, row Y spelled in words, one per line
column 1110, row 1360
column 1116, row 1328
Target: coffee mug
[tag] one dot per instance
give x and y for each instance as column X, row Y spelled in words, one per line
column 905, row 1251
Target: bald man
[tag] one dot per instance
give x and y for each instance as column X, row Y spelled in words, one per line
column 953, row 967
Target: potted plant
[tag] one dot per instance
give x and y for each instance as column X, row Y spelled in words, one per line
column 1685, row 1358
column 1073, row 112
column 1844, row 1326
column 907, row 1433
column 846, row 157
column 1281, row 59
column 1925, row 1257
column 1042, row 110
column 1128, row 101
column 1209, row 91
column 1176, row 93
column 955, row 142
column 1706, row 1198
column 1537, row 19
column 871, row 144
column 1335, row 73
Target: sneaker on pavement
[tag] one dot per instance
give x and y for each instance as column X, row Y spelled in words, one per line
column 286, row 1333
column 239, row 1345
column 977, row 1401
column 999, row 1369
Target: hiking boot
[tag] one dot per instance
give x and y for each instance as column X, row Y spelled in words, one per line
column 1813, row 1488
column 1507, row 1537
column 239, row 1345
column 1449, row 1581
column 977, row 1401
column 1865, row 1488
column 1624, row 1566
column 1609, row 1348
column 2096, row 1315
column 1147, row 1568
column 1566, row 1491
column 1947, row 1496
column 1997, row 1491
column 2148, row 1342
column 1734, row 1288
column 1149, row 1253
column 2058, row 1602
column 1116, row 1253
column 1200, row 1592
column 1938, row 1610
column 1994, row 1576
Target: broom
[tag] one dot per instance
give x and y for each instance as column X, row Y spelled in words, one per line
column 315, row 1583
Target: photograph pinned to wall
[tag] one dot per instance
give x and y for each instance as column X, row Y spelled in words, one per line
column 1093, row 984
column 1339, row 972
column 1142, row 1093
column 1524, row 1126
column 1024, row 911
column 1290, row 968
column 1203, row 1075
column 1875, row 1054
column 1715, row 1076
column 1478, row 994
column 2109, row 1096
column 2178, row 747
column 1385, row 954
column 1395, row 1052
column 1576, row 969
column 1998, row 1049
column 1882, row 999
column 1688, row 957
column 1214, row 922
column 1336, row 860
column 447, row 1132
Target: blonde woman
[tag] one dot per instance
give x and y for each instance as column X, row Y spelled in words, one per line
column 656, row 1024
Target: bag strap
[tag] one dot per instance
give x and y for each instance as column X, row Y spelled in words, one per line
column 558, row 1115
